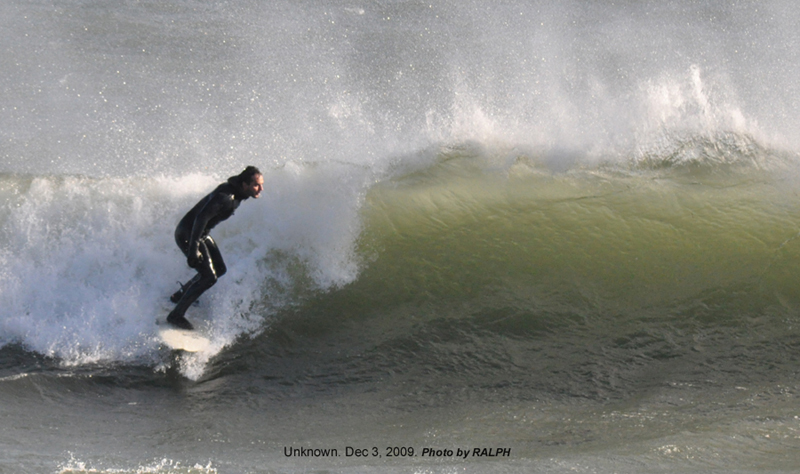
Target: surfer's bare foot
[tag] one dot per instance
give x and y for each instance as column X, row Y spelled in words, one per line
column 179, row 322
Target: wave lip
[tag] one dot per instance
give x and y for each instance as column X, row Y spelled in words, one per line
column 717, row 151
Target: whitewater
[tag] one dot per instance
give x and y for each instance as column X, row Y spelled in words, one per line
column 494, row 236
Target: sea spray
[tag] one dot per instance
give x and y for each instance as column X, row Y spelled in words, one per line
column 90, row 261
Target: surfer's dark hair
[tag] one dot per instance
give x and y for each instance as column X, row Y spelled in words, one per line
column 245, row 176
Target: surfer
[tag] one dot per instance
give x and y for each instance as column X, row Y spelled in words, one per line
column 201, row 251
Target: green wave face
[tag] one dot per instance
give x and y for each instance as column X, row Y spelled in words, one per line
column 493, row 272
column 505, row 230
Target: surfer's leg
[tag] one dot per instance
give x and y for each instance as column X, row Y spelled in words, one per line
column 207, row 278
column 218, row 265
column 182, row 239
column 216, row 257
column 179, row 294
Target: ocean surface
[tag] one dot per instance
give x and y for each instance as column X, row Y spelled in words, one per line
column 495, row 237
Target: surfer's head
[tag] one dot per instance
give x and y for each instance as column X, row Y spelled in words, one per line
column 250, row 182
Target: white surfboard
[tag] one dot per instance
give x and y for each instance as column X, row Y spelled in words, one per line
column 184, row 340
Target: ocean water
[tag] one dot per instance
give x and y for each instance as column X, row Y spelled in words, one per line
column 514, row 236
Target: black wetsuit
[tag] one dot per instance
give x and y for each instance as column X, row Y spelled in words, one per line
column 191, row 235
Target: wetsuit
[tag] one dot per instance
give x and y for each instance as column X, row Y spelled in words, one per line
column 201, row 251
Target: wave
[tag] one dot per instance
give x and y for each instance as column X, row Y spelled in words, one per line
column 89, row 262
column 488, row 272
column 717, row 216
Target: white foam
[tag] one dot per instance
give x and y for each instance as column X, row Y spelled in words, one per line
column 165, row 465
column 88, row 264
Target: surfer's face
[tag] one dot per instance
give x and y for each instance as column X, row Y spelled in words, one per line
column 254, row 187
